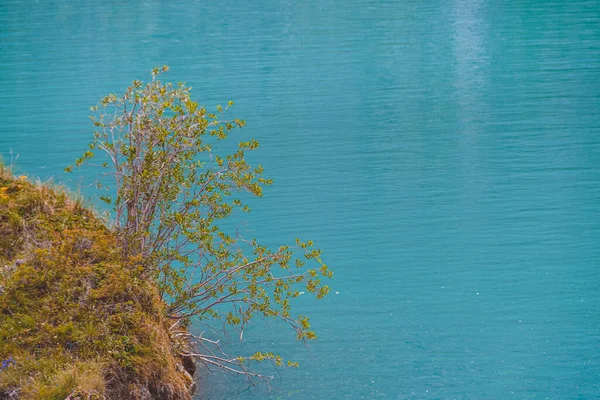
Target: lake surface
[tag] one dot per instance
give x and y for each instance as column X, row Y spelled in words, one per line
column 445, row 155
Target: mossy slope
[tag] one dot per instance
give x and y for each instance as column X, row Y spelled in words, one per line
column 76, row 321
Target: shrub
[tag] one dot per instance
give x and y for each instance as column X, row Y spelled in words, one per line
column 170, row 188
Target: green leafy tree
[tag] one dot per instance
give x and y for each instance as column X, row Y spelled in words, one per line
column 171, row 188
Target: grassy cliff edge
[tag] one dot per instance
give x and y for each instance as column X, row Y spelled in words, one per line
column 76, row 321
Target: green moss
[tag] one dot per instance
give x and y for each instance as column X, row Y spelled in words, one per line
column 75, row 319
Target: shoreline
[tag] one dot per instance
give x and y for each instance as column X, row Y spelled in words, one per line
column 76, row 321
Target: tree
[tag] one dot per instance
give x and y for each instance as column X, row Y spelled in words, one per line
column 170, row 190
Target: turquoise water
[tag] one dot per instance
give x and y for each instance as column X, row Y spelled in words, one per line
column 445, row 155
